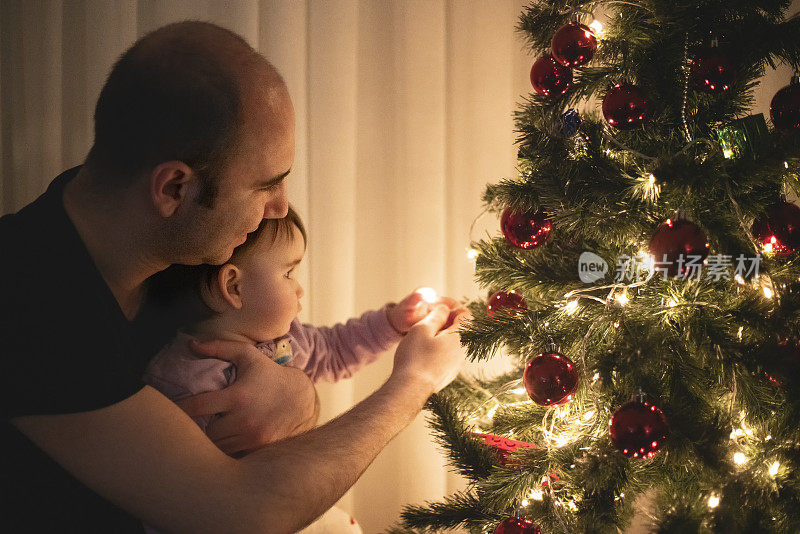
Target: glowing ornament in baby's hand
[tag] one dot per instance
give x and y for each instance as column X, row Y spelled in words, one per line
column 428, row 295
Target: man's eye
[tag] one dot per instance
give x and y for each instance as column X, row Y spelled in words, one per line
column 289, row 273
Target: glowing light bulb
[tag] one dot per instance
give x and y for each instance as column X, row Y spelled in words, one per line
column 588, row 415
column 739, row 458
column 713, row 501
column 622, row 298
column 428, row 294
column 672, row 303
column 537, row 495
column 518, row 391
column 773, row 469
column 472, row 253
column 651, row 179
column 739, row 278
column 767, row 292
column 524, row 502
column 571, row 307
column 597, row 27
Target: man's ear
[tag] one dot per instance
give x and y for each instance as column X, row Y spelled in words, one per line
column 228, row 285
column 169, row 186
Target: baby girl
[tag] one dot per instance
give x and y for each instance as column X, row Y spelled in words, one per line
column 255, row 298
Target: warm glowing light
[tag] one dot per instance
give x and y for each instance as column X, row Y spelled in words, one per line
column 622, row 298
column 651, row 179
column 672, row 303
column 493, row 411
column 767, row 292
column 518, row 391
column 727, row 152
column 588, row 415
column 785, row 164
column 537, row 495
column 524, row 502
column 428, row 294
column 597, row 27
column 773, row 469
column 739, row 458
column 739, row 278
column 571, row 307
column 472, row 253
column 713, row 501
column 596, row 377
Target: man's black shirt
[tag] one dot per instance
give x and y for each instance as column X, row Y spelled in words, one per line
column 67, row 347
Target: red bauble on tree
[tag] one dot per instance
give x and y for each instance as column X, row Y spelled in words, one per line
column 779, row 229
column 525, row 229
column 508, row 300
column 517, row 525
column 549, row 77
column 573, row 45
column 550, row 378
column 784, row 110
column 713, row 71
column 505, row 447
column 638, row 429
column 673, row 244
column 625, row 106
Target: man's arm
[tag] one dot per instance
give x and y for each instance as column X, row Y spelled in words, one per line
column 148, row 457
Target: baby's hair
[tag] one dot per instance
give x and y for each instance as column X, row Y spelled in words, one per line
column 183, row 289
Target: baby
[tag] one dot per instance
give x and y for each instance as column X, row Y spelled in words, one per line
column 255, row 298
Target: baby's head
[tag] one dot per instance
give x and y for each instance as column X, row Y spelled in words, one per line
column 254, row 294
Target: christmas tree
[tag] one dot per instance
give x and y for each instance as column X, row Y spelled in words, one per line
column 645, row 279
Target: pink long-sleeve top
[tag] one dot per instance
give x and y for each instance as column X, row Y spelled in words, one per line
column 323, row 353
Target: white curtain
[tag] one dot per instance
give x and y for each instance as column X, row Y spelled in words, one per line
column 404, row 113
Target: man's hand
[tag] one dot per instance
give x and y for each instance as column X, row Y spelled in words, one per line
column 267, row 402
column 431, row 352
column 413, row 308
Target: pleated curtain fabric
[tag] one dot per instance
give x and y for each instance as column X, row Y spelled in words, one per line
column 404, row 113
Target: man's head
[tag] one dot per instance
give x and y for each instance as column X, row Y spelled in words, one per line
column 204, row 125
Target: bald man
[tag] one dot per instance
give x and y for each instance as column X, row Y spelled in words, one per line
column 194, row 139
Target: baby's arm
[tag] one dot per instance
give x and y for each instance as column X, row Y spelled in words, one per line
column 333, row 353
column 336, row 352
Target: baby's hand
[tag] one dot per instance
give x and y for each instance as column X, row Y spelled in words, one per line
column 413, row 308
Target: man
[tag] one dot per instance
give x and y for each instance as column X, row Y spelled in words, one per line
column 194, row 137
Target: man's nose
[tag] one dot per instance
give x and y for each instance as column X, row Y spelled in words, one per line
column 278, row 207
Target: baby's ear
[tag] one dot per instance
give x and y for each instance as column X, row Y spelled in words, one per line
column 227, row 286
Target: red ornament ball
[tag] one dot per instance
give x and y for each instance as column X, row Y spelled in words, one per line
column 525, row 230
column 639, row 429
column 673, row 244
column 784, row 110
column 550, row 378
column 712, row 71
column 573, row 45
column 779, row 229
column 549, row 77
column 509, row 300
column 625, row 106
column 517, row 525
